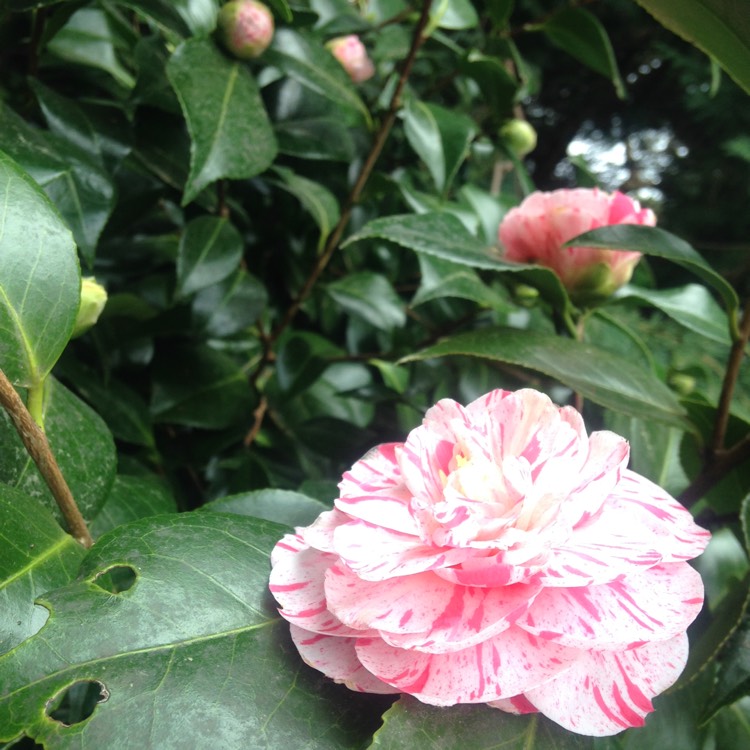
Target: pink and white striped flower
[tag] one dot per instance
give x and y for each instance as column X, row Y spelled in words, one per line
column 499, row 555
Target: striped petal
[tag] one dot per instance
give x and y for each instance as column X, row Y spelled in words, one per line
column 605, row 692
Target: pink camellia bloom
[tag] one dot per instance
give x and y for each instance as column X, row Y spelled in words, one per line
column 246, row 28
column 536, row 231
column 352, row 55
column 500, row 555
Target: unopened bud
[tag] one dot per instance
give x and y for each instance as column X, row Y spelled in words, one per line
column 518, row 136
column 352, row 55
column 245, row 27
column 93, row 299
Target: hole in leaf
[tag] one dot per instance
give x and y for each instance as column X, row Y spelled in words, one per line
column 116, row 579
column 77, row 702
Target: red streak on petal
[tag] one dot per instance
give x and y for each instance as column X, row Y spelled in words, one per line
column 284, row 545
column 634, row 719
column 605, row 709
column 405, row 618
column 308, row 612
column 581, row 597
column 288, row 586
column 634, row 692
column 312, row 641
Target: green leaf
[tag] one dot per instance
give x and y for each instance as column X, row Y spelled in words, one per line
column 193, row 654
column 210, row 250
column 280, row 506
column 409, row 723
column 81, row 443
column 721, row 28
column 500, row 11
column 691, row 306
column 581, row 35
column 453, row 14
column 304, row 58
column 440, row 137
column 317, row 199
column 497, row 85
column 231, row 136
column 39, row 279
column 196, row 386
column 87, row 39
column 603, row 377
column 371, row 297
column 130, row 499
column 71, row 177
column 657, row 242
column 300, row 362
column 36, row 555
column 316, row 138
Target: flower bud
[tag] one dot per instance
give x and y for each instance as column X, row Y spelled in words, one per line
column 352, row 55
column 93, row 299
column 246, row 28
column 519, row 136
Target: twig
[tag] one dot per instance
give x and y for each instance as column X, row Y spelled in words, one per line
column 37, row 446
column 258, row 415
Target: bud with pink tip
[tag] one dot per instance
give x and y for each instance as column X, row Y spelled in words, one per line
column 352, row 55
column 246, row 28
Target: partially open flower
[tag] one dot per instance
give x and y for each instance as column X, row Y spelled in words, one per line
column 500, row 555
column 536, row 231
column 352, row 55
column 246, row 28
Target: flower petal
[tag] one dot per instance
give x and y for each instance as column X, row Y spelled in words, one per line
column 605, row 692
column 500, row 667
column 651, row 606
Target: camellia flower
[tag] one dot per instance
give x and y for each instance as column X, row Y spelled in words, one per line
column 536, row 231
column 352, row 55
column 502, row 556
column 246, row 28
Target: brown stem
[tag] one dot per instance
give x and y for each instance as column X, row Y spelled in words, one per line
column 380, row 138
column 37, row 446
column 258, row 415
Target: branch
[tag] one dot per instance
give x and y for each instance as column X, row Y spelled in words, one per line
column 37, row 446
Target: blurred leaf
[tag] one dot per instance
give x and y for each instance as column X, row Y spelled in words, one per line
column 300, row 362
column 497, row 85
column 130, row 499
column 453, row 14
column 657, row 242
column 81, row 443
column 39, row 279
column 168, row 14
column 87, row 39
column 500, row 11
column 71, row 177
column 370, row 296
column 210, row 250
column 281, row 506
column 196, row 386
column 721, row 28
column 229, row 128
column 732, row 726
column 607, row 379
column 440, row 137
column 692, row 306
column 36, row 555
column 487, row 207
column 315, row 138
column 409, row 723
column 193, row 654
column 316, row 198
column 304, row 58
column 581, row 35
column 745, row 523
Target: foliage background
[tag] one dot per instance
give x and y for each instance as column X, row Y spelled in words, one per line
column 297, row 268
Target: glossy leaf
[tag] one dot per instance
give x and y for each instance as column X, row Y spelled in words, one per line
column 371, row 297
column 280, row 506
column 210, row 250
column 193, row 654
column 36, row 555
column 721, row 28
column 81, row 443
column 497, row 85
column 39, row 279
column 231, row 136
column 315, row 138
column 581, row 34
column 409, row 723
column 453, row 14
column 609, row 380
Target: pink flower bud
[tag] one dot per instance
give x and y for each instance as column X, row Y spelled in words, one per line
column 536, row 231
column 352, row 55
column 246, row 28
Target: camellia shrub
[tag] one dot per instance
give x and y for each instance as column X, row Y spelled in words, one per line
column 342, row 407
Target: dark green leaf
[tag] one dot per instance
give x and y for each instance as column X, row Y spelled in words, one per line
column 745, row 522
column 193, row 654
column 281, row 506
column 39, row 279
column 721, row 28
column 229, row 128
column 453, row 14
column 500, row 11
column 168, row 14
column 316, row 138
column 210, row 250
column 36, row 555
column 581, row 34
column 497, row 85
column 411, row 724
column 81, row 443
column 370, row 296
column 732, row 726
column 231, row 306
column 606, row 379
column 300, row 362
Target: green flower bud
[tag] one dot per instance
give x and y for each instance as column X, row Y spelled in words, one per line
column 518, row 136
column 93, row 299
